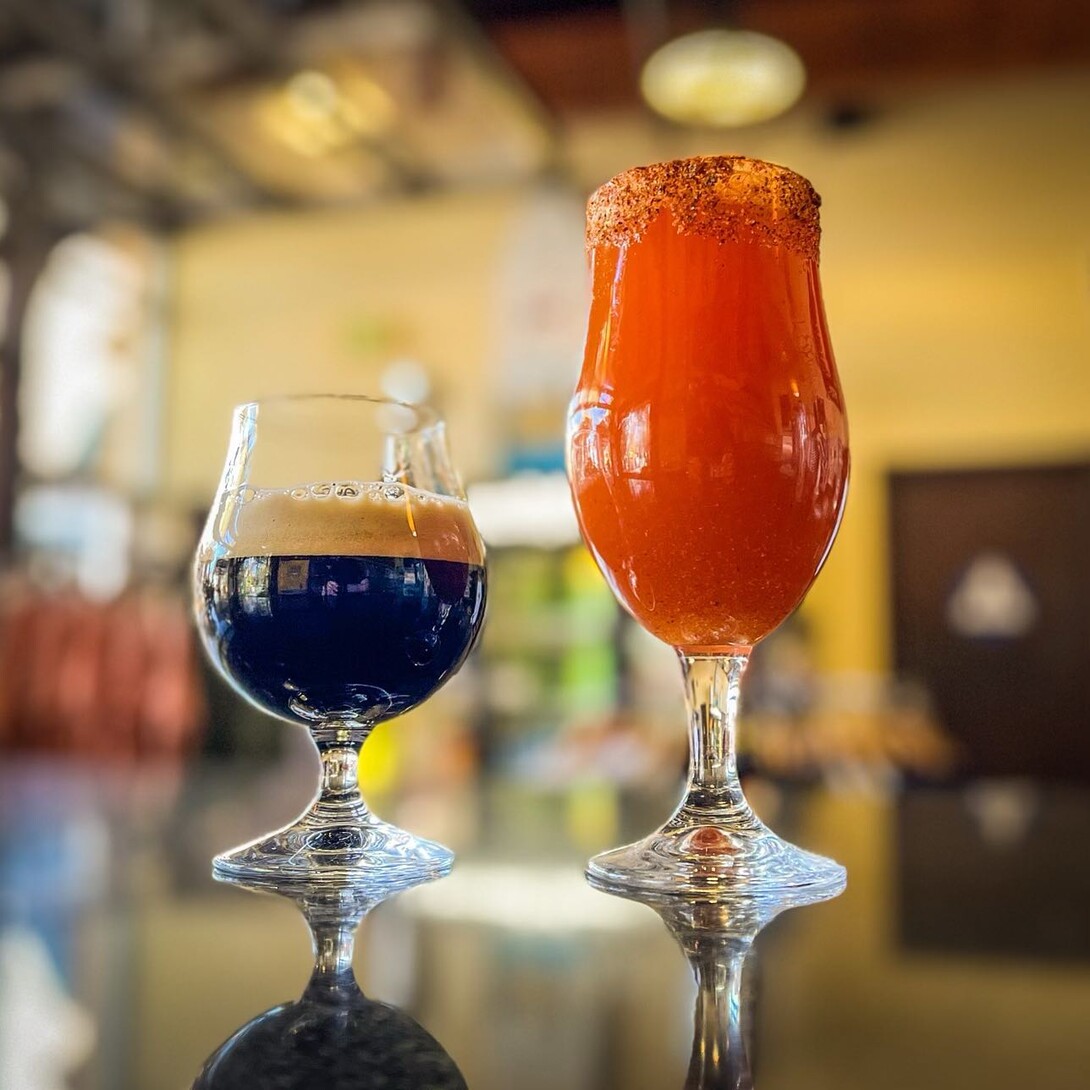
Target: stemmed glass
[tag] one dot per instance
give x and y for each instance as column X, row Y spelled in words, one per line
column 708, row 459
column 339, row 582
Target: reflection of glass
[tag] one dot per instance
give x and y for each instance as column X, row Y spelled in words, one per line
column 717, row 935
column 333, row 1037
column 339, row 582
column 707, row 451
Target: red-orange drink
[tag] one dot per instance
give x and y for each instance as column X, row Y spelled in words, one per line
column 708, row 446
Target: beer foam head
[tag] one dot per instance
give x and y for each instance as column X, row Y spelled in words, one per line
column 728, row 197
column 353, row 519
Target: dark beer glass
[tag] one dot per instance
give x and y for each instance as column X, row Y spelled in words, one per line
column 339, row 582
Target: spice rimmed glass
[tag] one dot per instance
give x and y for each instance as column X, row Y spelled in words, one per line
column 708, row 459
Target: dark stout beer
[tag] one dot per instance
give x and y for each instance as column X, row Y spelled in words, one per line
column 349, row 603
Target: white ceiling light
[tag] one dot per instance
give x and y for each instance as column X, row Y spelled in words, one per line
column 722, row 78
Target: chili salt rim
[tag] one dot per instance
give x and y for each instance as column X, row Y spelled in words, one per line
column 730, row 198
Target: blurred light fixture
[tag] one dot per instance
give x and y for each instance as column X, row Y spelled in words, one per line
column 722, row 78
column 315, row 114
column 313, row 96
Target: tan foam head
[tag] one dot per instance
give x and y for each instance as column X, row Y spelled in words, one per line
column 727, row 197
column 349, row 520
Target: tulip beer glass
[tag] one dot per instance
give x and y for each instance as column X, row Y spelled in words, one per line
column 708, row 460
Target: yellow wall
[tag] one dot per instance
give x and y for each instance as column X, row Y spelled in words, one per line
column 319, row 302
column 956, row 270
column 957, row 277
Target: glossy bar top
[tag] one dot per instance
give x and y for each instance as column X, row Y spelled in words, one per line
column 961, row 970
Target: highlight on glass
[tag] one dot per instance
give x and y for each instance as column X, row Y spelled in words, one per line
column 339, row 582
column 708, row 461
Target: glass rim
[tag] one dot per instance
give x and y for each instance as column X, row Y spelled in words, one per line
column 730, row 198
column 427, row 418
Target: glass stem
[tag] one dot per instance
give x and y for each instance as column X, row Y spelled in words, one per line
column 712, row 692
column 339, row 752
column 333, row 933
column 719, row 1057
column 334, row 943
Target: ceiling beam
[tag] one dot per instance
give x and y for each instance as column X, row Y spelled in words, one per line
column 60, row 27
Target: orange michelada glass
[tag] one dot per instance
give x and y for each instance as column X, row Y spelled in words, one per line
column 708, row 458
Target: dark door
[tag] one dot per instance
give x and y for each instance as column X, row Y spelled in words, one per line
column 991, row 596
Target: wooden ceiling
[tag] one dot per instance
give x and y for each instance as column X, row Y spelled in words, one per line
column 580, row 57
column 173, row 110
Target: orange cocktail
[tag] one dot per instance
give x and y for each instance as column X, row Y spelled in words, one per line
column 708, row 442
column 708, row 458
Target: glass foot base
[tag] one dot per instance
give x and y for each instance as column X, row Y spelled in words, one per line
column 317, row 851
column 710, row 858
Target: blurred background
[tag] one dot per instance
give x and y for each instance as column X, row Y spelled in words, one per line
column 207, row 201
